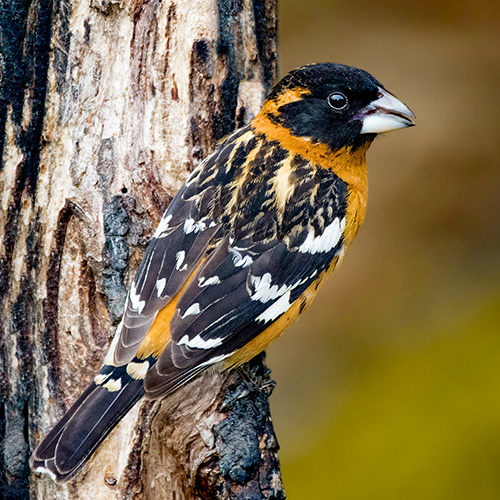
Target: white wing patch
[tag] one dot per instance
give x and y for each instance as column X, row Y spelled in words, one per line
column 264, row 291
column 238, row 259
column 135, row 302
column 160, row 286
column 192, row 310
column 214, row 280
column 138, row 370
column 162, row 226
column 99, row 379
column 113, row 385
column 179, row 259
column 277, row 309
column 325, row 241
column 190, row 226
column 199, row 343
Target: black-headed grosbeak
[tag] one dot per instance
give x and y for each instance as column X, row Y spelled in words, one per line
column 241, row 250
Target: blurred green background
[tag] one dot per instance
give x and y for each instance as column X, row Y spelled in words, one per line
column 389, row 386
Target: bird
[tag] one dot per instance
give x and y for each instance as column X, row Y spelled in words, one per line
column 240, row 251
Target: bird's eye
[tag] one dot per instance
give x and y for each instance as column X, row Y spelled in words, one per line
column 337, row 101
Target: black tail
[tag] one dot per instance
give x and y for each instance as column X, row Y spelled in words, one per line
column 76, row 436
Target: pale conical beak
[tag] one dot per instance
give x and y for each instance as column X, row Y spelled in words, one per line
column 385, row 114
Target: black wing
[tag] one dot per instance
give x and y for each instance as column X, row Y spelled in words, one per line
column 182, row 238
column 248, row 283
column 178, row 245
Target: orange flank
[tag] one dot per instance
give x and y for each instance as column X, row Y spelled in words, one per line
column 356, row 209
column 158, row 335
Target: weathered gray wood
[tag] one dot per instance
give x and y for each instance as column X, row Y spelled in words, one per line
column 105, row 107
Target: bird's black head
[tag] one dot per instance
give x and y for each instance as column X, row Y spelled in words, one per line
column 335, row 105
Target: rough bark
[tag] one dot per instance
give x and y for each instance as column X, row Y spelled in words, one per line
column 105, row 107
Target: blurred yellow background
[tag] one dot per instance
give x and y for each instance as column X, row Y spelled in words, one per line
column 389, row 386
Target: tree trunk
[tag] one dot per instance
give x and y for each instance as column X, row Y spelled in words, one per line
column 105, row 107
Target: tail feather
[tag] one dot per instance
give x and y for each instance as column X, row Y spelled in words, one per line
column 76, row 436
